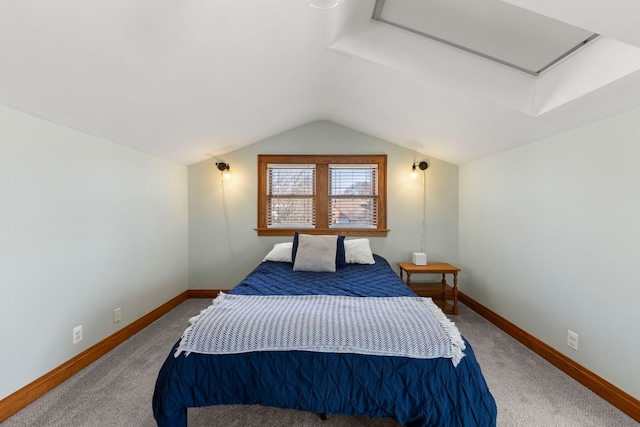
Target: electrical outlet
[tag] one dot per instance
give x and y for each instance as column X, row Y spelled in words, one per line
column 572, row 340
column 117, row 315
column 77, row 334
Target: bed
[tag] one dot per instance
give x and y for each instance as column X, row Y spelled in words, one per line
column 416, row 392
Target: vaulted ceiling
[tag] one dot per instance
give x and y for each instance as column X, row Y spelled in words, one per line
column 191, row 78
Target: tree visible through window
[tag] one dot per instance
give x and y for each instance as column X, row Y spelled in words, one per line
column 290, row 195
column 322, row 194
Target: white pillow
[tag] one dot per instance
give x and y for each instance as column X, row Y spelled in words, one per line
column 358, row 251
column 281, row 252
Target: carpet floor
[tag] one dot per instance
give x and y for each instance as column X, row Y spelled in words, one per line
column 117, row 389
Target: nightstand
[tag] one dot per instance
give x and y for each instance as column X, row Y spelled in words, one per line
column 445, row 296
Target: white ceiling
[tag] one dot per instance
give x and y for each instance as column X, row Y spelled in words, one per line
column 182, row 79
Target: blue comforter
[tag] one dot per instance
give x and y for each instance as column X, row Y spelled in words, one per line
column 415, row 392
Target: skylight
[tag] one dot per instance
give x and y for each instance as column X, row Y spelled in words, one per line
column 492, row 29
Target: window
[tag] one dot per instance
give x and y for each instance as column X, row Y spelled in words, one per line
column 353, row 195
column 494, row 30
column 291, row 191
column 322, row 194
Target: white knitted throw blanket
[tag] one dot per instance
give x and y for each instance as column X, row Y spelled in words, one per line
column 394, row 326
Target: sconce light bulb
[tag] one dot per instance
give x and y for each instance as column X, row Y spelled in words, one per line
column 225, row 169
column 414, row 172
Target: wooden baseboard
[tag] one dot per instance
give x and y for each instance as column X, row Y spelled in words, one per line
column 32, row 391
column 29, row 393
column 203, row 293
column 612, row 394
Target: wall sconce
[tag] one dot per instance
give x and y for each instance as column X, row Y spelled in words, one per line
column 225, row 169
column 422, row 166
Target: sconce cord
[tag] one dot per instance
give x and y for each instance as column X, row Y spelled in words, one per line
column 227, row 224
column 424, row 211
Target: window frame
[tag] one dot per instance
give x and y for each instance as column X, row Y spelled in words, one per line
column 322, row 162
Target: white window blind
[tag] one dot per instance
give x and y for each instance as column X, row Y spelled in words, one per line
column 291, row 195
column 353, row 196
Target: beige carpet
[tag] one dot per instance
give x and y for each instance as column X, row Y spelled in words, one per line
column 117, row 389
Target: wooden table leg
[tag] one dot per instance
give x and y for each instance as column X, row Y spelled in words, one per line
column 455, row 292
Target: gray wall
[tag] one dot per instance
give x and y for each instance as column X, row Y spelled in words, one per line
column 547, row 234
column 224, row 247
column 549, row 240
column 85, row 226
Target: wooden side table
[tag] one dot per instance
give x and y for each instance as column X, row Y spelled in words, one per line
column 445, row 296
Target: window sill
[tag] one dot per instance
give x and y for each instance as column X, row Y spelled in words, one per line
column 369, row 232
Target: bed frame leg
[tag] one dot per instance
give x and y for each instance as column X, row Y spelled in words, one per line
column 323, row 417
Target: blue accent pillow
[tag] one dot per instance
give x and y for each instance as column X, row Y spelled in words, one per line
column 341, row 260
column 341, row 253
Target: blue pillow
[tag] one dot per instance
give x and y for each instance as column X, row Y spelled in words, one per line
column 341, row 260
column 341, row 253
